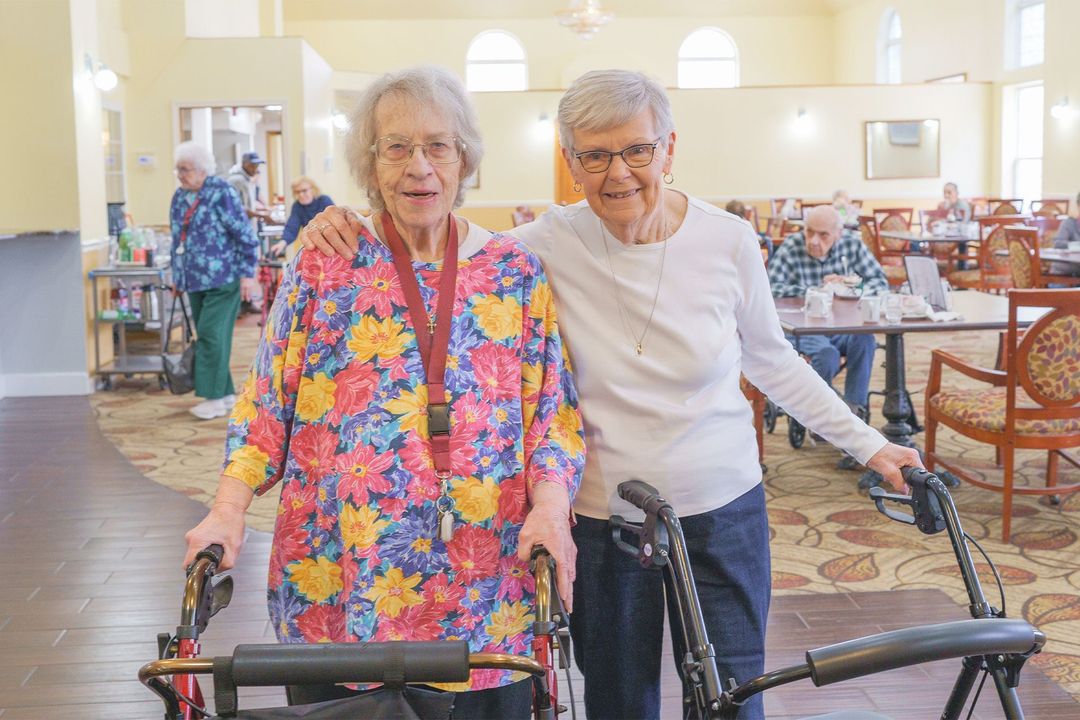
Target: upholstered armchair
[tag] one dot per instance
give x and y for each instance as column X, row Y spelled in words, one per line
column 1033, row 404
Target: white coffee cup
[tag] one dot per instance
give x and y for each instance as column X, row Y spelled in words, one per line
column 818, row 302
column 870, row 308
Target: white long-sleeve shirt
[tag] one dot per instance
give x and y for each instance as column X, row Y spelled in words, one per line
column 674, row 416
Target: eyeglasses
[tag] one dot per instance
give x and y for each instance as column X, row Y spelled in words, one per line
column 397, row 150
column 635, row 156
column 184, row 170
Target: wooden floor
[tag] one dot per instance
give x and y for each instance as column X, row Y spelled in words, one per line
column 90, row 573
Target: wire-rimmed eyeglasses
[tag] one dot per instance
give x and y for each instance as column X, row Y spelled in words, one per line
column 635, row 156
column 398, row 150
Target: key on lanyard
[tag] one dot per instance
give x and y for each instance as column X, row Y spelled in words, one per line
column 445, row 505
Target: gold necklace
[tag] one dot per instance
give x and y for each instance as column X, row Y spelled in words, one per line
column 638, row 340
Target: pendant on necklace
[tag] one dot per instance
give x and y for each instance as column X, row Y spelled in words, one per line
column 431, row 325
column 639, row 348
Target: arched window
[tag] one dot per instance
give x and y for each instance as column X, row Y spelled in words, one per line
column 708, row 58
column 1025, row 33
column 890, row 40
column 496, row 61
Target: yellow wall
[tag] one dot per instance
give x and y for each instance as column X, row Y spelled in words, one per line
column 1061, row 138
column 787, row 50
column 38, row 190
column 246, row 71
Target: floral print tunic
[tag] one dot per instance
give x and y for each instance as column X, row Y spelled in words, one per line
column 335, row 410
column 220, row 246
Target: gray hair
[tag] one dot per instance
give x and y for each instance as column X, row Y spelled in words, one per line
column 194, row 153
column 427, row 85
column 604, row 99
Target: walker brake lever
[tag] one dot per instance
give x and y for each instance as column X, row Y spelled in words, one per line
column 653, row 545
column 879, row 496
column 926, row 512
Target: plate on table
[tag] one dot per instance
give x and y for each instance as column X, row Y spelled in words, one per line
column 847, row 293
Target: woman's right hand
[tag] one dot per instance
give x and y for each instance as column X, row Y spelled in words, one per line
column 335, row 230
column 223, row 525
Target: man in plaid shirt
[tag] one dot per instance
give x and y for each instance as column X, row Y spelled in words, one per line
column 825, row 253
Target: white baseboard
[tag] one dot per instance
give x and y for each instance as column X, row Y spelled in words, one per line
column 45, row 384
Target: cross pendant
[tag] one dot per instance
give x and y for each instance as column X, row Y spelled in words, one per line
column 431, row 325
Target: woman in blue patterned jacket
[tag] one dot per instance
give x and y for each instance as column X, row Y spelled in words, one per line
column 214, row 255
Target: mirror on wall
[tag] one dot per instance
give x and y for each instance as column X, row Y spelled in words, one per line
column 902, row 149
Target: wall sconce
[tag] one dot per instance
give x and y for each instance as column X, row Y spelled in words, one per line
column 1062, row 110
column 340, row 121
column 803, row 122
column 543, row 128
column 101, row 74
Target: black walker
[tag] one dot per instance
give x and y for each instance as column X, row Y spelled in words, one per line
column 988, row 643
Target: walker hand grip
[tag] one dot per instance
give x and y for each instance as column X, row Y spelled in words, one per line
column 642, row 495
column 327, row 663
column 213, row 552
column 912, row 646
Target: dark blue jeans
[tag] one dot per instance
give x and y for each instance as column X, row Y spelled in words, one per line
column 618, row 618
column 825, row 352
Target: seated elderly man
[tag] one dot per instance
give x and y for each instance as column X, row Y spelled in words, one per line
column 824, row 252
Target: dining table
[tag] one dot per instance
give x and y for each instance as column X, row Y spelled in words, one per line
column 973, row 310
column 1069, row 257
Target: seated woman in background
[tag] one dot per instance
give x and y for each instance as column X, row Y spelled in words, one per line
column 849, row 211
column 309, row 202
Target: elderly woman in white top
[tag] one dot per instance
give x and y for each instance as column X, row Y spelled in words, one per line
column 664, row 299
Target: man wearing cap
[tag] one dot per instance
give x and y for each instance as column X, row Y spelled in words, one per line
column 242, row 178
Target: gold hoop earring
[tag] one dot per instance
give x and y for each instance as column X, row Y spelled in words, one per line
column 577, row 187
column 668, row 178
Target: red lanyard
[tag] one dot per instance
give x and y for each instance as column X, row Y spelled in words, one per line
column 433, row 337
column 187, row 221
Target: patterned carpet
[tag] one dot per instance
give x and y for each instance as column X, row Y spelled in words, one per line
column 826, row 536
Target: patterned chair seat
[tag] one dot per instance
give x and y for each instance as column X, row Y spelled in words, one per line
column 895, row 274
column 964, row 278
column 984, row 409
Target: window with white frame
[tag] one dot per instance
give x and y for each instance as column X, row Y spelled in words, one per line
column 1022, row 136
column 890, row 40
column 1025, row 33
column 708, row 58
column 496, row 61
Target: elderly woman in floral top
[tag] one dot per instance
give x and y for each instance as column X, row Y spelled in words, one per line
column 213, row 256
column 414, row 404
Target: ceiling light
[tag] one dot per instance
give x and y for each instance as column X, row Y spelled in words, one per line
column 584, row 17
column 340, row 121
column 272, row 108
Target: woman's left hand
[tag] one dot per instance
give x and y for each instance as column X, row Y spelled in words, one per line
column 247, row 288
column 890, row 459
column 548, row 524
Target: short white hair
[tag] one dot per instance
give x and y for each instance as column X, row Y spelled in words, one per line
column 427, row 86
column 194, row 153
column 604, row 99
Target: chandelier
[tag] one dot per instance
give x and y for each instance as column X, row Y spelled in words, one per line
column 584, row 17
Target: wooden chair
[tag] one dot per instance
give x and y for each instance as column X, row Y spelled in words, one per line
column 1048, row 226
column 1034, row 404
column 928, row 217
column 806, row 207
column 894, row 219
column 1006, row 206
column 1027, row 270
column 752, row 217
column 891, row 262
column 1051, row 207
column 993, row 272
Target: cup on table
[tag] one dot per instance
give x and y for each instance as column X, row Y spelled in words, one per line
column 818, row 302
column 894, row 308
column 870, row 308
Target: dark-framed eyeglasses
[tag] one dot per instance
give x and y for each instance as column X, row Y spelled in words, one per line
column 398, row 150
column 635, row 156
